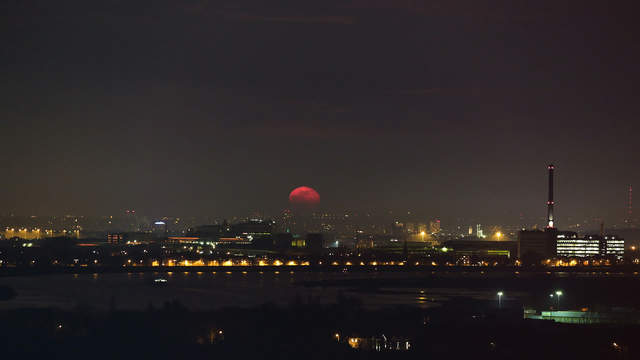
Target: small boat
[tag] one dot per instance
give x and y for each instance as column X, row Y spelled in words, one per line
column 160, row 281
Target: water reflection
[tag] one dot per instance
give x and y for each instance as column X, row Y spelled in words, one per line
column 208, row 290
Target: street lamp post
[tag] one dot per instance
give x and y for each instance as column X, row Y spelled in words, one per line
column 558, row 294
column 500, row 293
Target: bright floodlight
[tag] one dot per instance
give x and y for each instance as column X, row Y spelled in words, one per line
column 500, row 293
column 558, row 292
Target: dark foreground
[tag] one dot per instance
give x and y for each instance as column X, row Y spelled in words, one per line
column 461, row 329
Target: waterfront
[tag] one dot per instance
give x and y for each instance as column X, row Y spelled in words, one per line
column 208, row 290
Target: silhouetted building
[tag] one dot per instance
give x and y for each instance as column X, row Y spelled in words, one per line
column 315, row 242
column 364, row 241
column 251, row 229
column 208, row 231
column 537, row 243
column 282, row 240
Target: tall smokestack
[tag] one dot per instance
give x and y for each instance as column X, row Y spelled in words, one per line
column 629, row 219
column 550, row 199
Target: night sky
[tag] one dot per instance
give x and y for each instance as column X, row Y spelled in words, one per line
column 444, row 108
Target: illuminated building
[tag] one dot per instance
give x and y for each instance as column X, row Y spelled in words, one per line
column 585, row 316
column 482, row 248
column 398, row 229
column 159, row 229
column 298, row 243
column 612, row 245
column 434, row 227
column 115, row 238
column 570, row 245
column 364, row 241
column 378, row 343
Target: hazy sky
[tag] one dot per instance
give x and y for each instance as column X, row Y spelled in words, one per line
column 447, row 108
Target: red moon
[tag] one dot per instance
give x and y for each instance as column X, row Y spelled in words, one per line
column 304, row 195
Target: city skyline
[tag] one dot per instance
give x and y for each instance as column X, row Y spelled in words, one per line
column 625, row 217
column 320, row 179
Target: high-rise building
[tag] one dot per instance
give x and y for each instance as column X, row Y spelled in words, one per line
column 434, row 227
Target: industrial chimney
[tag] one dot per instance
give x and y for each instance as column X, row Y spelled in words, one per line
column 550, row 224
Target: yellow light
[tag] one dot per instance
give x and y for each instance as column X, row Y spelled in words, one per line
column 423, row 233
column 277, row 263
column 227, row 263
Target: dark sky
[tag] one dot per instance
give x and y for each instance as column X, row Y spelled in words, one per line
column 446, row 108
